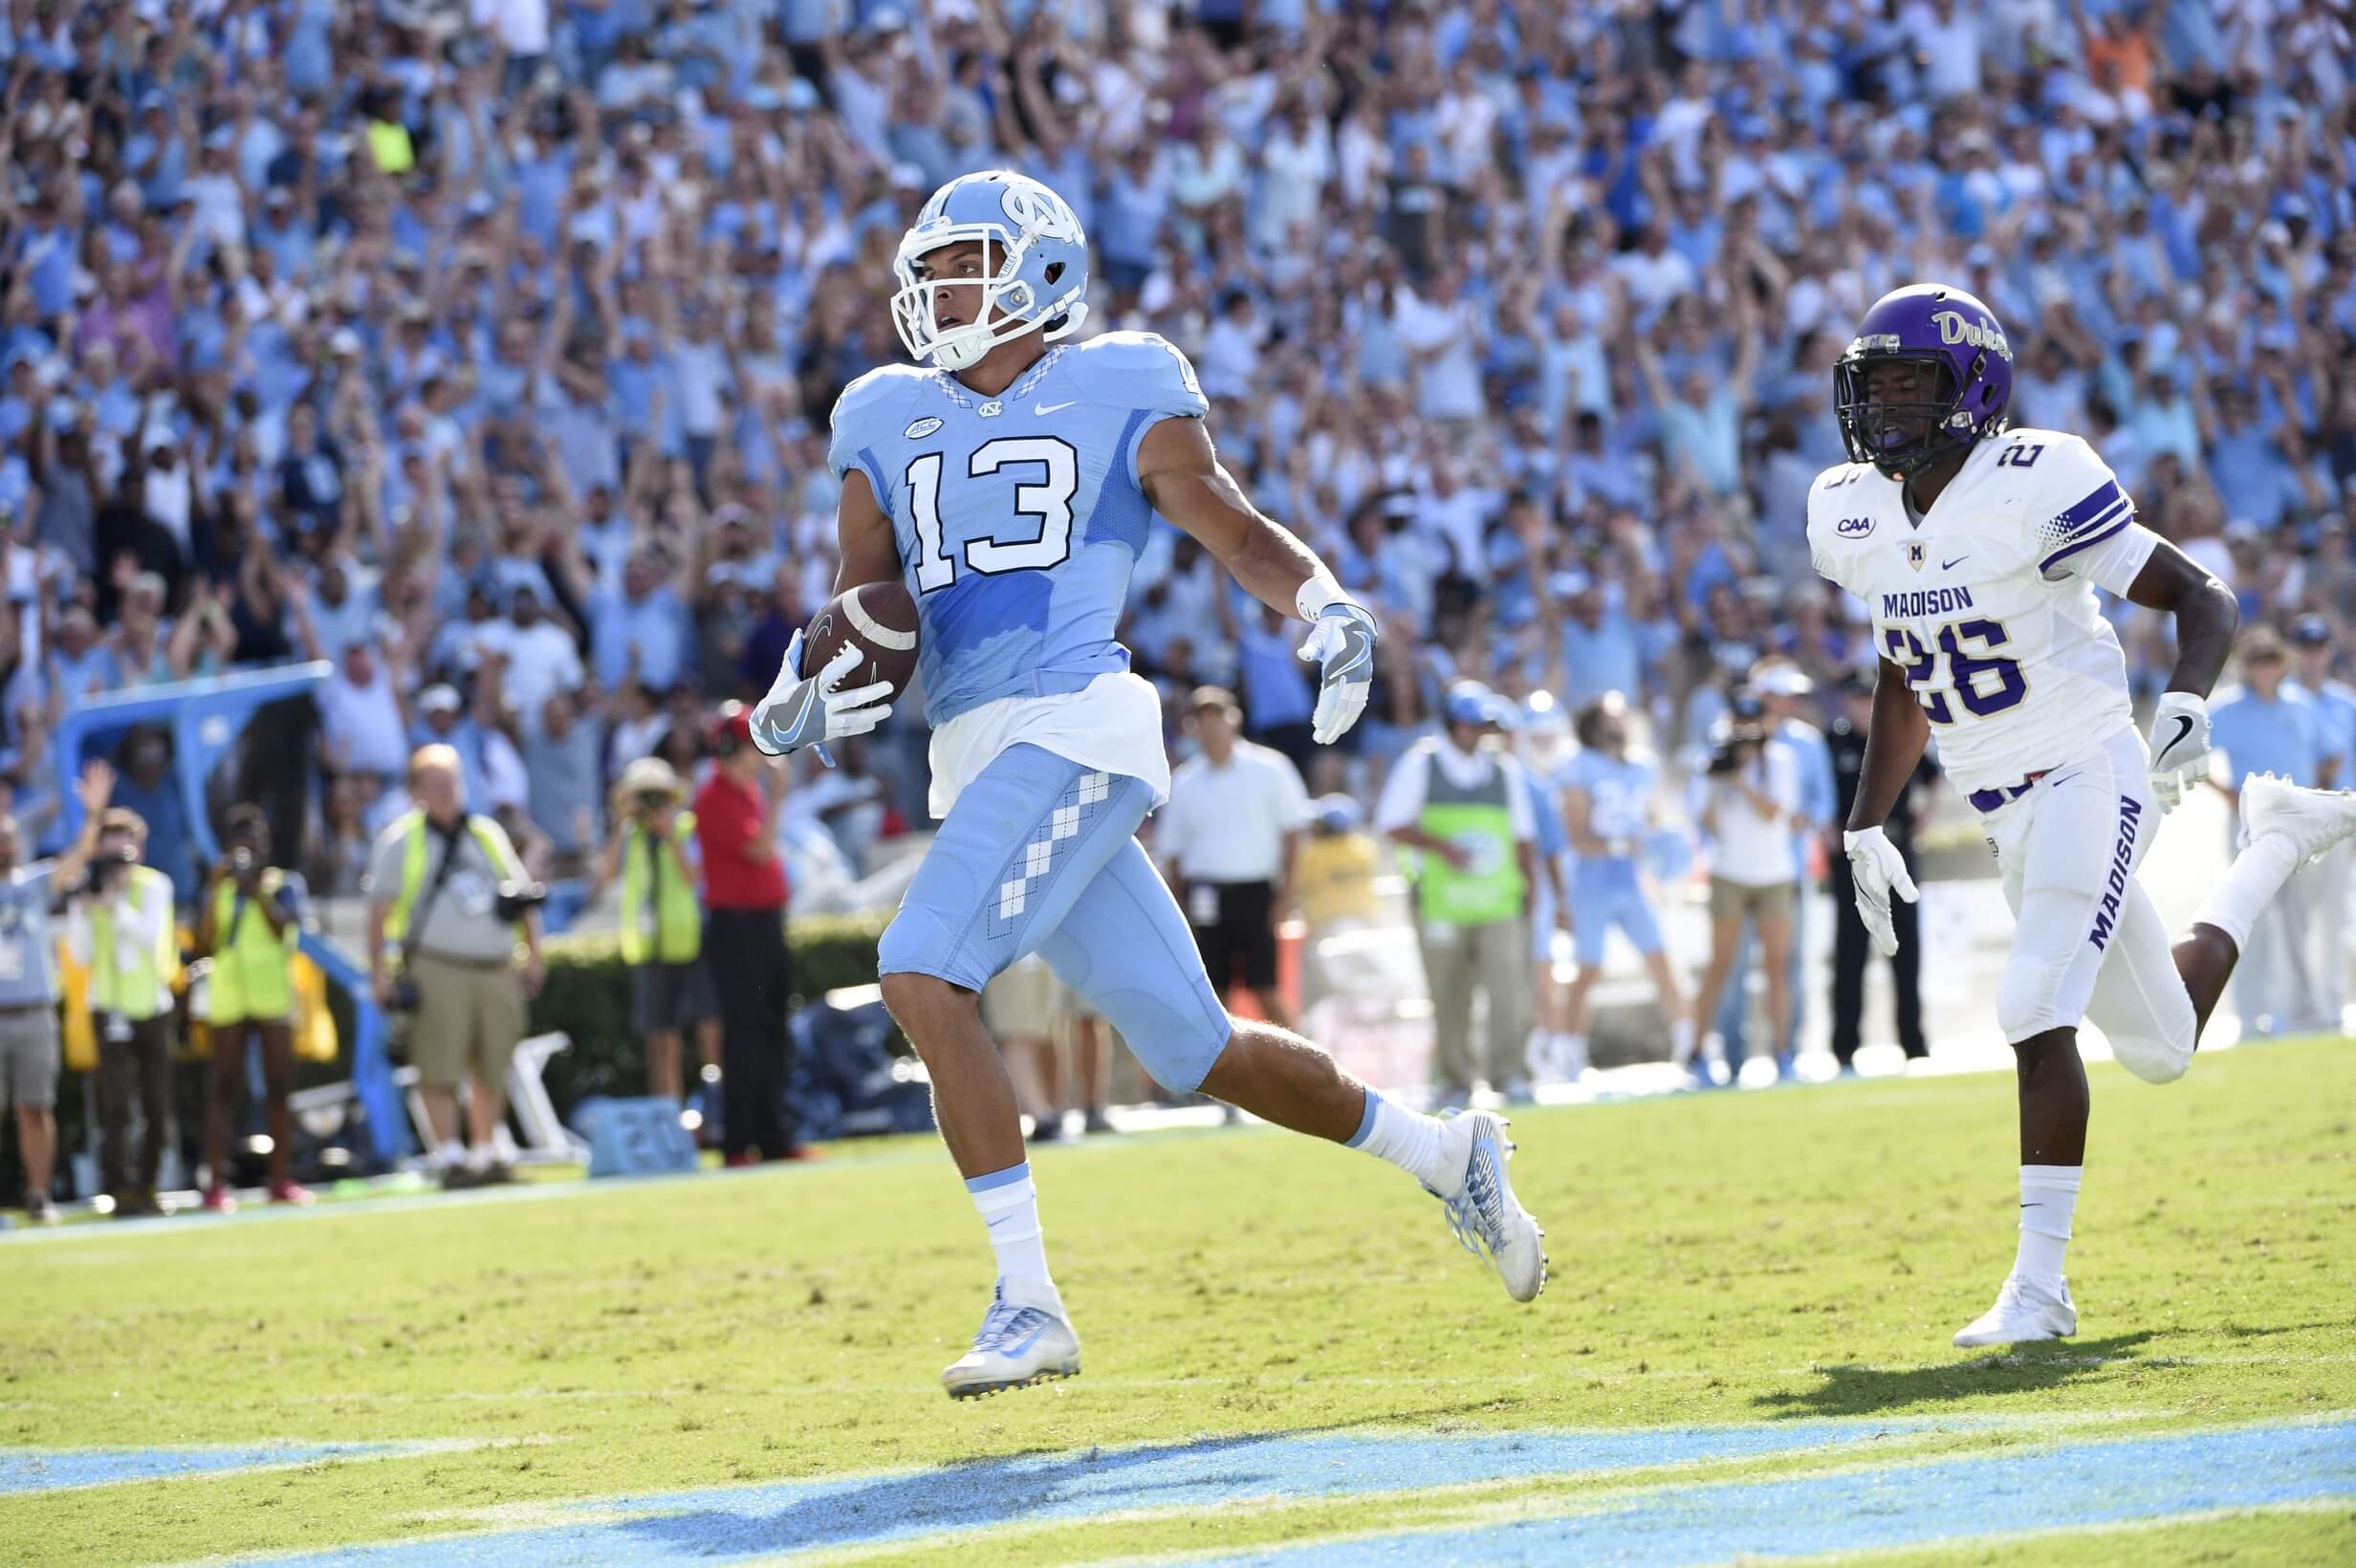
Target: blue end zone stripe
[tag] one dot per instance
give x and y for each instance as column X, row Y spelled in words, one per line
column 2046, row 565
column 2092, row 508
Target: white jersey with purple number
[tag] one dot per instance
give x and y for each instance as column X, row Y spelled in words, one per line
column 1987, row 602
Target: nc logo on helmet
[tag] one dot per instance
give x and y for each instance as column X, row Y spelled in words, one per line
column 1032, row 208
column 1954, row 329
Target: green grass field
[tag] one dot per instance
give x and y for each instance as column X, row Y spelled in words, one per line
column 1780, row 1271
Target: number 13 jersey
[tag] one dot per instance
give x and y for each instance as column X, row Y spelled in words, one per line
column 1988, row 602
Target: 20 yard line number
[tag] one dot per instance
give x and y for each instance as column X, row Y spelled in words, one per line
column 1048, row 502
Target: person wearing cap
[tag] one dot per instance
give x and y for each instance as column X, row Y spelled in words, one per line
column 250, row 921
column 1852, row 944
column 1458, row 803
column 120, row 928
column 745, row 895
column 1226, row 843
column 440, row 950
column 2335, row 702
column 1607, row 795
column 2270, row 725
column 1751, row 809
column 652, row 854
column 1333, row 881
column 29, row 1043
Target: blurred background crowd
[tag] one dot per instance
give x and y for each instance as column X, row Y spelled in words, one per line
column 484, row 348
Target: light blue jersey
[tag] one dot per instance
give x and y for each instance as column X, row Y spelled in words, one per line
column 1619, row 792
column 1019, row 518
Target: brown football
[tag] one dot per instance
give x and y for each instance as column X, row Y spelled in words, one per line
column 881, row 617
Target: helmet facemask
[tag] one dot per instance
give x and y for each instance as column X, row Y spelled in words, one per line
column 1008, row 308
column 1874, row 429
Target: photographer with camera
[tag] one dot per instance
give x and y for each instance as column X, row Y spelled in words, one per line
column 1750, row 807
column 121, row 927
column 446, row 902
column 652, row 852
column 29, row 1046
column 248, row 924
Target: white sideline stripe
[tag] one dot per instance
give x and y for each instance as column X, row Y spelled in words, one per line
column 872, row 629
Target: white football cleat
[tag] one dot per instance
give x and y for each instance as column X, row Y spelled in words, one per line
column 1483, row 1214
column 2314, row 819
column 1020, row 1343
column 2026, row 1310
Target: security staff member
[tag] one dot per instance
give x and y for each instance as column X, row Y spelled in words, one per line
column 1852, row 947
column 1458, row 802
column 29, row 1045
column 122, row 931
column 744, row 941
column 437, row 948
column 249, row 922
column 1227, row 841
column 653, row 854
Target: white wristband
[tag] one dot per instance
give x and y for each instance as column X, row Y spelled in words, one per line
column 1320, row 592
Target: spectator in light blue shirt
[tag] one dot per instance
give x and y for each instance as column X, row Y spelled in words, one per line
column 1601, row 651
column 2267, row 725
column 643, row 629
column 2335, row 702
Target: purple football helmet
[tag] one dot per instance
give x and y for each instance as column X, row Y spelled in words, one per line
column 1968, row 394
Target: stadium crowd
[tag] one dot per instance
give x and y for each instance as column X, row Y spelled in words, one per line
column 485, row 350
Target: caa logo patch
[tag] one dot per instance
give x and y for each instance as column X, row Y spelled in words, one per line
column 1854, row 528
column 919, row 429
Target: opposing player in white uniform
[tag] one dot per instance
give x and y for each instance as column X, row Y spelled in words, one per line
column 1010, row 487
column 1977, row 549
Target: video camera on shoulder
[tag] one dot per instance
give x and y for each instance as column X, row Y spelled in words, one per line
column 1745, row 734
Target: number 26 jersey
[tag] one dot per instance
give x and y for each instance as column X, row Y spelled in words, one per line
column 1988, row 602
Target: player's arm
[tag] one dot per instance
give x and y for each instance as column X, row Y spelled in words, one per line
column 1183, row 477
column 863, row 536
column 2207, row 616
column 1895, row 738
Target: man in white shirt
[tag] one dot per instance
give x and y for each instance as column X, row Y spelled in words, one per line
column 1751, row 809
column 1460, row 803
column 540, row 658
column 1227, row 841
column 360, row 712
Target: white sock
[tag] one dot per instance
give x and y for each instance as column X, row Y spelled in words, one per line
column 2048, row 1200
column 482, row 1157
column 1573, row 1057
column 1009, row 1204
column 1407, row 1139
column 2251, row 882
column 450, row 1155
column 1680, row 1041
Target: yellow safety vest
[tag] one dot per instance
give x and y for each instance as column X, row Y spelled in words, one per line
column 132, row 983
column 486, row 833
column 675, row 923
column 250, row 967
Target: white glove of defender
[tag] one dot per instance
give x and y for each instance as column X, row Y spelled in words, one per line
column 2179, row 746
column 1878, row 869
column 798, row 712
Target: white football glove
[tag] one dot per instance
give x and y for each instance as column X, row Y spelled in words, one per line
column 2179, row 746
column 1342, row 642
column 802, row 712
column 1878, row 869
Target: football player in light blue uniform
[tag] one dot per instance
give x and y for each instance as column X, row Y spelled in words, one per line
column 1607, row 804
column 1008, row 480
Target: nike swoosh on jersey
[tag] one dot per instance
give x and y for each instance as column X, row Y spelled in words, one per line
column 1053, row 407
column 1950, row 566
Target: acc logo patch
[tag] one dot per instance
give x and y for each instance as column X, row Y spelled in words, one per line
column 919, row 429
column 1853, row 528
